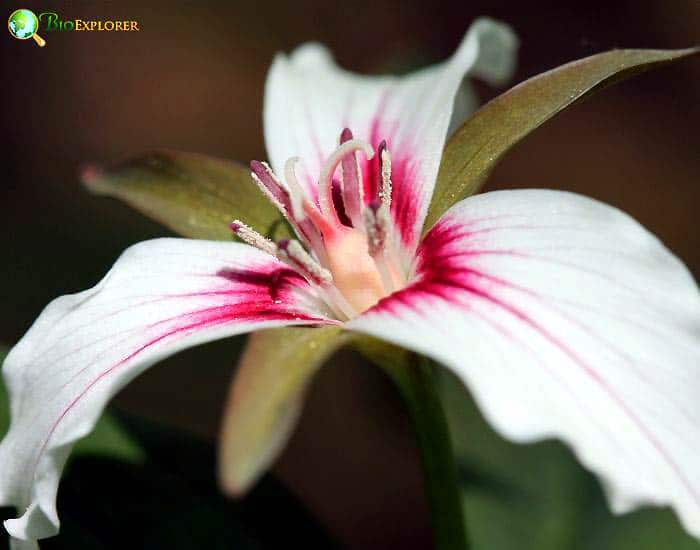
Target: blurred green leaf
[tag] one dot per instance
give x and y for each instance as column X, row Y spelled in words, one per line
column 194, row 195
column 537, row 496
column 172, row 502
column 110, row 439
column 476, row 147
column 107, row 439
column 267, row 396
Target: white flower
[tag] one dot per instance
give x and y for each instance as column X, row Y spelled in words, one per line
column 564, row 316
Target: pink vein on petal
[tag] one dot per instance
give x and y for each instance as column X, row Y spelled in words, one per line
column 441, row 277
column 405, row 164
column 374, row 138
column 275, row 308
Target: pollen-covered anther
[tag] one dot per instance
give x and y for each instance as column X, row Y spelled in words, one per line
column 385, row 175
column 293, row 254
column 253, row 238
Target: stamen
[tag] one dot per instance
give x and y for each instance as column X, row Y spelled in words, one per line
column 325, row 184
column 285, row 199
column 276, row 191
column 253, row 238
column 345, row 135
column 338, row 302
column 323, row 224
column 384, row 174
column 345, row 248
column 351, row 183
column 377, row 226
column 292, row 253
column 302, row 207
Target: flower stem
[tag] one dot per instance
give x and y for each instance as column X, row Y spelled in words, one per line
column 417, row 384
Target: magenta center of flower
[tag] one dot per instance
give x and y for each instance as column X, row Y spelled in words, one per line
column 346, row 240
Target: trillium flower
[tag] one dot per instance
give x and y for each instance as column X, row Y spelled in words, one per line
column 564, row 316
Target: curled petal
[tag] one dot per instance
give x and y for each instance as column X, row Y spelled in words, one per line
column 567, row 319
column 309, row 100
column 160, row 297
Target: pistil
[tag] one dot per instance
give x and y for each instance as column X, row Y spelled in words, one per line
column 325, row 184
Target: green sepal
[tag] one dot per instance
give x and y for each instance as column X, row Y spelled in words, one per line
column 480, row 143
column 266, row 398
column 194, row 195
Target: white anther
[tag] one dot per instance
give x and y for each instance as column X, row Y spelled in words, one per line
column 253, row 238
column 292, row 253
column 385, row 190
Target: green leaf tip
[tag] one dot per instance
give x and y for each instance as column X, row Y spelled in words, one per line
column 477, row 146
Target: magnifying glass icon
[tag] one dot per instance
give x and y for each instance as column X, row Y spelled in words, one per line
column 23, row 25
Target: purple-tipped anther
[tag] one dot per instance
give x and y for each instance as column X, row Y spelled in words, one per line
column 269, row 184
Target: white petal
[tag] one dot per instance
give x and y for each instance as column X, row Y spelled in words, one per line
column 309, row 100
column 566, row 318
column 160, row 297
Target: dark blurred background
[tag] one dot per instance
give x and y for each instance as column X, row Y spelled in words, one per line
column 192, row 79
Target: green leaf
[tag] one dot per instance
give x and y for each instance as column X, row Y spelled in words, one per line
column 473, row 151
column 107, row 439
column 171, row 501
column 194, row 195
column 266, row 398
